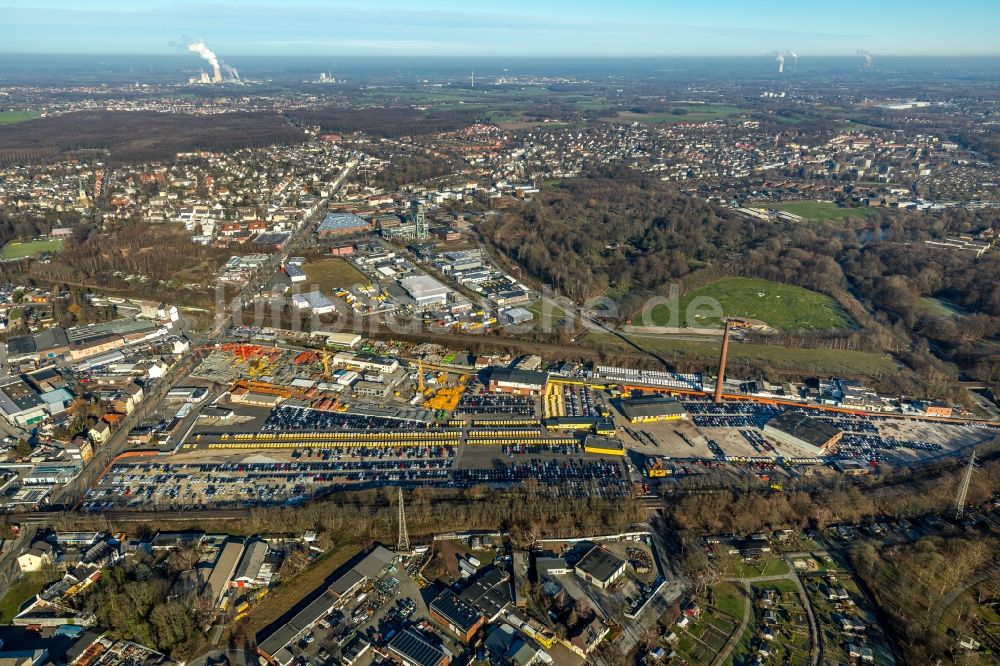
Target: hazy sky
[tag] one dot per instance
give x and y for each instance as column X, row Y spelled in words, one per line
column 510, row 28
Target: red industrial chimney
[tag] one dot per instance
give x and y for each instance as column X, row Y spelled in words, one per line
column 722, row 364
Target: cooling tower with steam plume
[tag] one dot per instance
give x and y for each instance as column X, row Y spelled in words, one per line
column 795, row 60
column 866, row 54
column 201, row 49
column 779, row 58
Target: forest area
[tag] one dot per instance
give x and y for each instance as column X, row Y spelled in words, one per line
column 141, row 136
column 389, row 122
column 163, row 253
column 628, row 237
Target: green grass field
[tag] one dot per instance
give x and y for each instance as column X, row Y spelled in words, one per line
column 730, row 599
column 696, row 113
column 770, row 566
column 939, row 307
column 821, row 210
column 329, row 274
column 821, row 361
column 782, row 306
column 11, row 117
column 28, row 586
column 16, row 250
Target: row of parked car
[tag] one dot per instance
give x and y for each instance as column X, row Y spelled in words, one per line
column 492, row 403
column 300, row 418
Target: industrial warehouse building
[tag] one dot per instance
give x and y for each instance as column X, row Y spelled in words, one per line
column 295, row 272
column 652, row 408
column 19, row 403
column 412, row 649
column 461, row 619
column 600, row 567
column 342, row 224
column 805, row 432
column 272, row 644
column 603, row 446
column 425, row 290
column 515, row 316
column 314, row 301
column 223, row 569
column 517, row 381
column 340, row 340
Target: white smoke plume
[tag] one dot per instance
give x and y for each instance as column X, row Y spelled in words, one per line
column 779, row 58
column 206, row 53
column 795, row 60
column 201, row 49
column 866, row 54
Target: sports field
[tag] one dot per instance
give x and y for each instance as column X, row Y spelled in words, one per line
column 821, row 210
column 11, row 117
column 16, row 250
column 781, row 306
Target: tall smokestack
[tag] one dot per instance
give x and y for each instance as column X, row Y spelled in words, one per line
column 723, row 356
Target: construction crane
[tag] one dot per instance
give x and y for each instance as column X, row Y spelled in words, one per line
column 324, row 358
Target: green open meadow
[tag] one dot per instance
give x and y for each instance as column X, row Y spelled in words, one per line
column 781, row 306
column 821, row 210
column 11, row 117
column 333, row 273
column 19, row 250
column 818, row 361
column 694, row 113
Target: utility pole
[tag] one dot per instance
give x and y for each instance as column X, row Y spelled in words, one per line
column 963, row 486
column 403, row 543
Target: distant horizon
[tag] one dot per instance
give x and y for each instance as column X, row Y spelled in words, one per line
column 457, row 28
column 483, row 56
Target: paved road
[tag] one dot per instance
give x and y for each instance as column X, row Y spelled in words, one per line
column 74, row 492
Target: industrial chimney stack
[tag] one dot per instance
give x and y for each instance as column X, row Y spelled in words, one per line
column 722, row 365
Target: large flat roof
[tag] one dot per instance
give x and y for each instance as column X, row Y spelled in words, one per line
column 600, row 563
column 375, row 562
column 253, row 559
column 804, row 427
column 225, row 565
column 83, row 334
column 457, row 612
column 17, row 396
column 423, row 286
column 518, row 376
column 302, row 620
column 415, row 649
column 337, row 221
column 653, row 405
